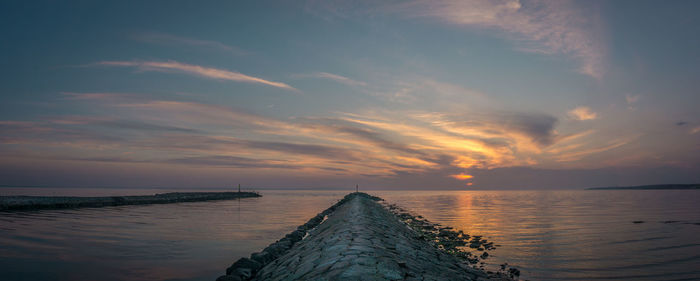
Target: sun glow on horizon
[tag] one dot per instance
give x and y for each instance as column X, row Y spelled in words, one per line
column 462, row 176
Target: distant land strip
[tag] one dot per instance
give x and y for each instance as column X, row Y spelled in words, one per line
column 11, row 203
column 655, row 186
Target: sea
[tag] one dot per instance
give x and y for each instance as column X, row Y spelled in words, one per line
column 547, row 234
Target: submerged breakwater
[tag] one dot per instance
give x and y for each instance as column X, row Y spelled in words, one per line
column 9, row 203
column 356, row 239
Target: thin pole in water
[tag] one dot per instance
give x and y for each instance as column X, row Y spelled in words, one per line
column 357, row 188
column 239, row 187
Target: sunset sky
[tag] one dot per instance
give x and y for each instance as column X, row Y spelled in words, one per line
column 457, row 94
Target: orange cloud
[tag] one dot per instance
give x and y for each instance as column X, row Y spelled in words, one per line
column 462, row 176
column 582, row 113
column 207, row 72
column 383, row 144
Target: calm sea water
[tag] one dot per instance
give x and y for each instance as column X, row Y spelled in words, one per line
column 549, row 235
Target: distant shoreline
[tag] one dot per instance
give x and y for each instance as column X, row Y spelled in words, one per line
column 649, row 187
column 14, row 203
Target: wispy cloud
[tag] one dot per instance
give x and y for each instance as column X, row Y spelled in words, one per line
column 421, row 90
column 91, row 96
column 546, row 27
column 197, row 113
column 48, row 134
column 549, row 27
column 389, row 143
column 169, row 39
column 233, row 161
column 208, row 72
column 578, row 153
column 334, row 77
column 631, row 101
column 582, row 113
column 631, row 98
column 117, row 124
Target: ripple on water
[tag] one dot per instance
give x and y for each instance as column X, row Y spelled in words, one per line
column 549, row 235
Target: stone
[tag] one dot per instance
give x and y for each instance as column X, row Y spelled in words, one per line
column 244, row 263
column 357, row 272
column 262, row 257
column 389, row 270
column 229, row 278
column 243, row 273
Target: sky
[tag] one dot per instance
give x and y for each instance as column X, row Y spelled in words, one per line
column 417, row 94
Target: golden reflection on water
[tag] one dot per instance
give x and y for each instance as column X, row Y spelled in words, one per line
column 549, row 235
column 573, row 234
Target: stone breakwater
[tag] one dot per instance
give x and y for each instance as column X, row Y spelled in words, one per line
column 355, row 239
column 9, row 203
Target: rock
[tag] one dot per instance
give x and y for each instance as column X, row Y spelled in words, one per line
column 390, row 271
column 297, row 235
column 262, row 258
column 514, row 272
column 229, row 278
column 243, row 273
column 244, row 263
column 274, row 250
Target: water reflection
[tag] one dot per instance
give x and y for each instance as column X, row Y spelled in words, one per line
column 184, row 241
column 575, row 235
column 549, row 235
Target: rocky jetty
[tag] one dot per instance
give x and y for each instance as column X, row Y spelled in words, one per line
column 360, row 239
column 9, row 203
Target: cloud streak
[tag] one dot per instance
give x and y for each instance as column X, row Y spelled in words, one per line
column 334, row 77
column 631, row 98
column 582, row 113
column 383, row 144
column 169, row 39
column 548, row 27
column 232, row 161
column 538, row 26
column 208, row 72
